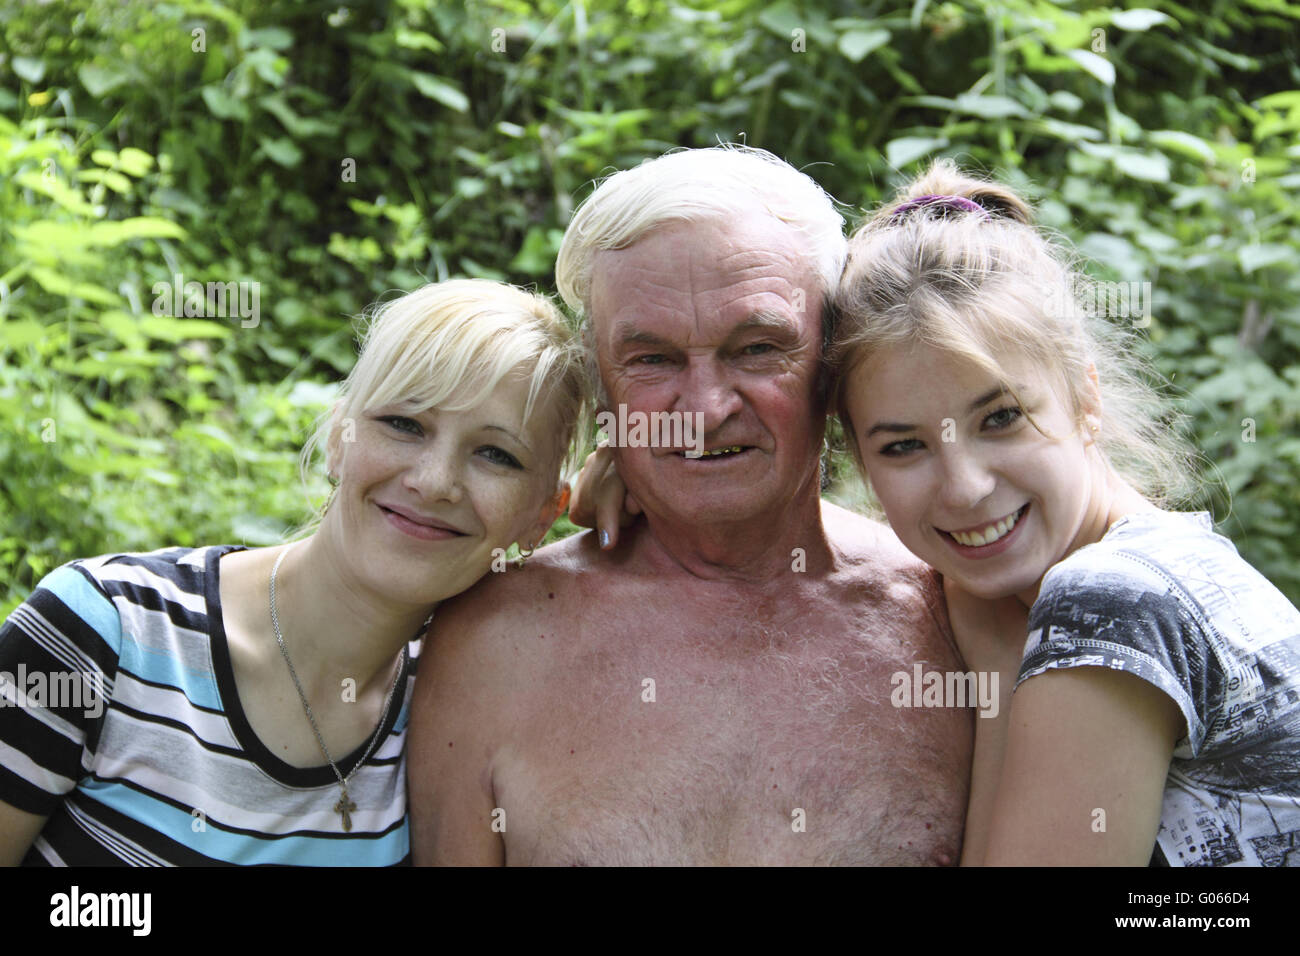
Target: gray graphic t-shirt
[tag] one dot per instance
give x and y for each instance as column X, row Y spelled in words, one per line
column 1164, row 597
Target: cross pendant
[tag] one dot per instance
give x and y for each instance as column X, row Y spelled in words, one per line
column 344, row 808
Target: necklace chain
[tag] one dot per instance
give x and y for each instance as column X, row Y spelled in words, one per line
column 344, row 806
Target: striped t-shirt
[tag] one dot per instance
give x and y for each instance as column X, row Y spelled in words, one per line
column 119, row 721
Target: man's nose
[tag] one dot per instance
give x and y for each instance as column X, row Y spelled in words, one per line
column 966, row 479
column 709, row 389
column 437, row 474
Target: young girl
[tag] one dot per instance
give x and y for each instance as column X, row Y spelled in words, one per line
column 1015, row 447
column 218, row 705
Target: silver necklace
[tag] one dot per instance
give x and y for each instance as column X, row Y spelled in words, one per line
column 345, row 806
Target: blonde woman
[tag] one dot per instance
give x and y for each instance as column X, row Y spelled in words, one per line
column 1015, row 446
column 249, row 706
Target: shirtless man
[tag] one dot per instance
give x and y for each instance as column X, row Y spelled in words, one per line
column 715, row 689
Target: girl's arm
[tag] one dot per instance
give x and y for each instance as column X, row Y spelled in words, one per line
column 18, row 829
column 1087, row 753
column 991, row 637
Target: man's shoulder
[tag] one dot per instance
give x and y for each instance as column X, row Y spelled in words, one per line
column 868, row 543
column 501, row 597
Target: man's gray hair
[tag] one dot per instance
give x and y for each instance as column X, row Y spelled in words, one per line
column 693, row 185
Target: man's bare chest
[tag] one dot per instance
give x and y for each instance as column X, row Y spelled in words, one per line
column 650, row 746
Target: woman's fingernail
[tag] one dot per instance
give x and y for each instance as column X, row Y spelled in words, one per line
column 604, row 540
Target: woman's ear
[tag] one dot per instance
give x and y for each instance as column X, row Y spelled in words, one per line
column 1092, row 408
column 552, row 510
column 342, row 430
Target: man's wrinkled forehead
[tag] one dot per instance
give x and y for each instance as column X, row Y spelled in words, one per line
column 750, row 270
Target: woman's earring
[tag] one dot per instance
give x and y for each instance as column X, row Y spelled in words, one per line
column 333, row 479
column 524, row 555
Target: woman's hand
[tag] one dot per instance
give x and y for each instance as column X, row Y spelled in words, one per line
column 600, row 500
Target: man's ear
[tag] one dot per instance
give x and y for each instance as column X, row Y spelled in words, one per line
column 554, row 507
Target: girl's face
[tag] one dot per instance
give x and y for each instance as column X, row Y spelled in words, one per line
column 424, row 497
column 968, row 484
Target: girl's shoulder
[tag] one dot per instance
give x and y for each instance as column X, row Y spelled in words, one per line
column 99, row 591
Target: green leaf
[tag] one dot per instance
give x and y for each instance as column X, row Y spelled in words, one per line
column 282, row 150
column 1261, row 256
column 29, row 68
column 137, row 227
column 1149, row 167
column 1139, row 19
column 114, row 181
column 169, row 329
column 440, row 90
column 15, row 335
column 416, row 40
column 1185, row 143
column 223, row 105
column 1098, row 66
column 908, row 149
column 57, row 284
column 99, row 80
column 274, row 38
column 134, row 162
column 856, row 44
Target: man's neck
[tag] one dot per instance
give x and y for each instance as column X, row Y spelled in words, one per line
column 789, row 537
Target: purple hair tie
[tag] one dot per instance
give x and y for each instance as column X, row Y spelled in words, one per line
column 947, row 202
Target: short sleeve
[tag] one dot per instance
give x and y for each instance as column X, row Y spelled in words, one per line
column 1117, row 611
column 58, row 656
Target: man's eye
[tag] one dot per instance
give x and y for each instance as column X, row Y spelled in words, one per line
column 1003, row 417
column 896, row 449
column 402, row 424
column 758, row 348
column 499, row 456
column 655, row 359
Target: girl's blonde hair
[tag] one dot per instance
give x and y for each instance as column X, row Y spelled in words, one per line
column 450, row 344
column 975, row 278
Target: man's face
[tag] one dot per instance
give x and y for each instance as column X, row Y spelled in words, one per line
column 721, row 317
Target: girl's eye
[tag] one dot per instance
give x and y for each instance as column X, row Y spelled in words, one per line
column 1003, row 417
column 402, row 424
column 499, row 456
column 896, row 449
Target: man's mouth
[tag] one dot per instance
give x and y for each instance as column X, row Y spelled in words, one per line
column 723, row 452
column 980, row 537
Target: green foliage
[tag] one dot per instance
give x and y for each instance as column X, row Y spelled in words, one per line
column 337, row 155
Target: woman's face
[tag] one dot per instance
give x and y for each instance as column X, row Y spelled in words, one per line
column 424, row 497
column 968, row 484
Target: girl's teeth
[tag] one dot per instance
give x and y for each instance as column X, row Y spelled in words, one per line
column 977, row 539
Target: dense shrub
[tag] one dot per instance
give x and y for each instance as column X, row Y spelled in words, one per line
column 335, row 155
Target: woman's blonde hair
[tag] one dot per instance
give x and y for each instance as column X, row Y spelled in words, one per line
column 450, row 344
column 955, row 263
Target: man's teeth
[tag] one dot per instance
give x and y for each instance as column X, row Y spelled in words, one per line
column 977, row 539
column 731, row 450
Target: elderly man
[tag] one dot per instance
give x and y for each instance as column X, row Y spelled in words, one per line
column 716, row 689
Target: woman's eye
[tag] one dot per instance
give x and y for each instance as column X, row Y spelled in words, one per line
column 499, row 456
column 896, row 449
column 758, row 348
column 402, row 424
column 1003, row 417
column 655, row 359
